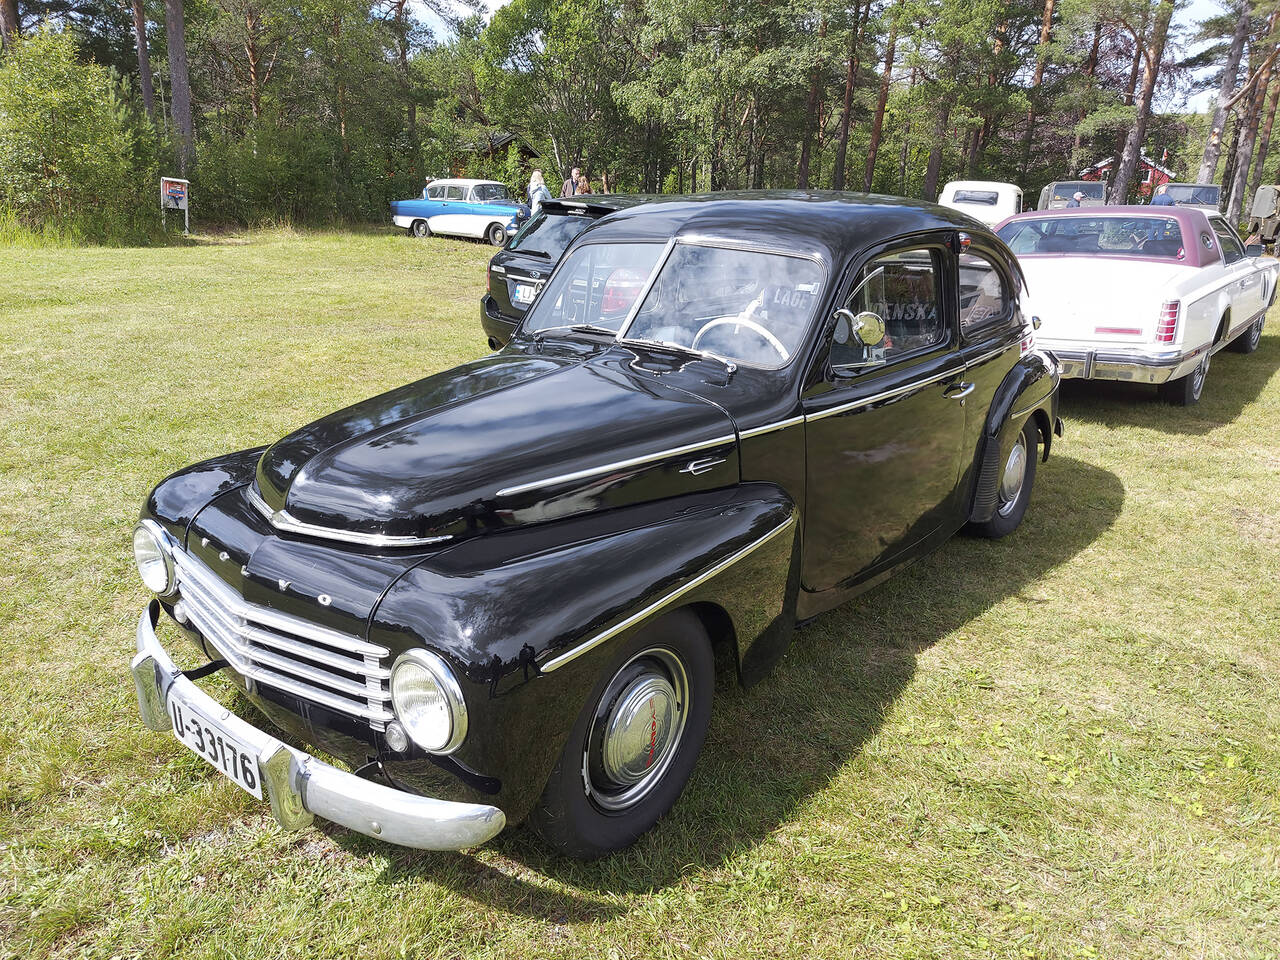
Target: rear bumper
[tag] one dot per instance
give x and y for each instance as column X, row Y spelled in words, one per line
column 496, row 327
column 298, row 785
column 1134, row 366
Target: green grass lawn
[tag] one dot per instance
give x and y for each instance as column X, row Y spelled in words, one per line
column 1063, row 744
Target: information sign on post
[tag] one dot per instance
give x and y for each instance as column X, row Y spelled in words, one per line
column 174, row 195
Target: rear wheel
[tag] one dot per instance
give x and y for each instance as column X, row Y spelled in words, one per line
column 420, row 229
column 633, row 747
column 497, row 234
column 1248, row 341
column 1185, row 391
column 1016, row 479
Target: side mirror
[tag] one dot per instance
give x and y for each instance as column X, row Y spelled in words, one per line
column 1035, row 323
column 1253, row 250
column 866, row 329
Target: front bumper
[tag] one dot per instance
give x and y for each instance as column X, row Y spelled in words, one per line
column 1133, row 366
column 298, row 785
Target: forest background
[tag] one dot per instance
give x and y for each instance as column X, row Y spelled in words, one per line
column 322, row 111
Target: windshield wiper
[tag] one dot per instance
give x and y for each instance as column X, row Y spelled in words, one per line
column 576, row 328
column 682, row 351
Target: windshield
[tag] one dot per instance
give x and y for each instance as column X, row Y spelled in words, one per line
column 1202, row 194
column 490, row 191
column 595, row 285
column 1096, row 236
column 741, row 305
column 1092, row 189
column 547, row 235
column 985, row 197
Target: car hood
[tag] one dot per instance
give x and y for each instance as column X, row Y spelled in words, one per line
column 511, row 438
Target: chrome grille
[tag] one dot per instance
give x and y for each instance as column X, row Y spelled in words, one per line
column 285, row 652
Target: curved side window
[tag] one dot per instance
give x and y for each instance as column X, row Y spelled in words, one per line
column 902, row 289
column 984, row 296
column 1232, row 251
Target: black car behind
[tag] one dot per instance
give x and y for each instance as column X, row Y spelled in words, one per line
column 519, row 269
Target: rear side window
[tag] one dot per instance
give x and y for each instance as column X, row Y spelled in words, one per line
column 984, row 295
column 435, row 192
column 548, row 234
column 453, row 192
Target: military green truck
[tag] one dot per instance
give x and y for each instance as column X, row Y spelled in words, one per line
column 1264, row 217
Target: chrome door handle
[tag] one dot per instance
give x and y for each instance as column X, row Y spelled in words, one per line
column 958, row 391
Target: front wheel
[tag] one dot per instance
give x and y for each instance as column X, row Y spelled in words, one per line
column 1016, row 479
column 1248, row 341
column 1185, row 391
column 634, row 745
column 497, row 234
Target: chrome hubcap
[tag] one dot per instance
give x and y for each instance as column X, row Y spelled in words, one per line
column 1197, row 378
column 637, row 730
column 1015, row 471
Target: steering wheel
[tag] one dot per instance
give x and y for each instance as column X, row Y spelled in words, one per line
column 739, row 320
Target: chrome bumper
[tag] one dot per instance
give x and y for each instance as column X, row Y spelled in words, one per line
column 1132, row 366
column 298, row 785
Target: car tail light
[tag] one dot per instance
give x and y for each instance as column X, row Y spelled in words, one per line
column 1167, row 326
column 620, row 291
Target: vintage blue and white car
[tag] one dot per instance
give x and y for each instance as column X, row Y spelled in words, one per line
column 461, row 208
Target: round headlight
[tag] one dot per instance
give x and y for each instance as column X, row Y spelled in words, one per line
column 155, row 562
column 428, row 701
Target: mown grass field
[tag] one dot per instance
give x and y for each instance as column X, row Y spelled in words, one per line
column 1064, row 744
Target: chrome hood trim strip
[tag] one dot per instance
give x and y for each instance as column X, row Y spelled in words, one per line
column 616, row 465
column 281, row 520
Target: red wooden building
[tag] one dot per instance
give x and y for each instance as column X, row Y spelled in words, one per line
column 1150, row 174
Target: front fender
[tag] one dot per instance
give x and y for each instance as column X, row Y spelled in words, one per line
column 531, row 619
column 179, row 497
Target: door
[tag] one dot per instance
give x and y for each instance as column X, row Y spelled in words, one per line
column 451, row 216
column 1247, row 284
column 884, row 432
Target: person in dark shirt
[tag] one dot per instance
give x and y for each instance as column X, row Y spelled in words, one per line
column 571, row 185
column 1162, row 198
column 1075, row 199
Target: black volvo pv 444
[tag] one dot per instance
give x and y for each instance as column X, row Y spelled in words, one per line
column 494, row 594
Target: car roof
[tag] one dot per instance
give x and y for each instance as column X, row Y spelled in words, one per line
column 1189, row 215
column 824, row 224
column 981, row 185
column 459, row 182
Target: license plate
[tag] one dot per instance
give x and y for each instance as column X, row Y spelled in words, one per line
column 524, row 293
column 219, row 748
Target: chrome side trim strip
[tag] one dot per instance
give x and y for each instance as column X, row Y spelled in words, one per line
column 281, row 520
column 1025, row 410
column 886, row 395
column 559, row 661
column 771, row 427
column 617, row 465
column 987, row 356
